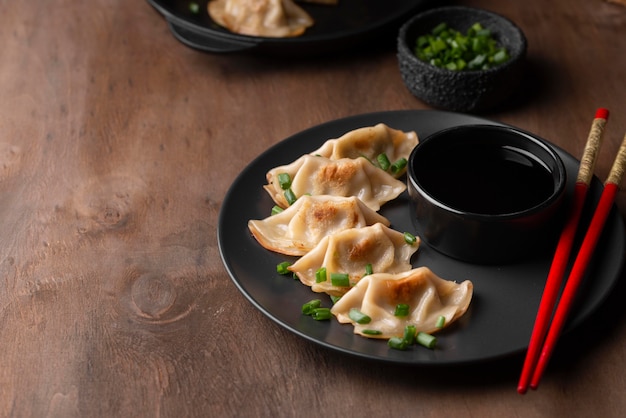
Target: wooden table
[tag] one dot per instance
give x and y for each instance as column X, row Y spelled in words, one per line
column 117, row 147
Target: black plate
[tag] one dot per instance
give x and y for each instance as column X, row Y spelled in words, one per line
column 336, row 27
column 506, row 297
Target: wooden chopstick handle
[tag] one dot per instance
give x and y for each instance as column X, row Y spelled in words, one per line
column 592, row 147
column 619, row 166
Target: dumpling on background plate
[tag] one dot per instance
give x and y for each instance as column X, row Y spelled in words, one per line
column 427, row 295
column 300, row 227
column 349, row 252
column 316, row 175
column 370, row 142
column 268, row 18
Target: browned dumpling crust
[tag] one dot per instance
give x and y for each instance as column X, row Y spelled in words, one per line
column 268, row 18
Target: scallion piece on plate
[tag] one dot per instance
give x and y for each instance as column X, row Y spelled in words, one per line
column 320, row 275
column 398, row 166
column 368, row 269
column 334, row 298
column 410, row 331
column 383, row 161
column 340, row 279
column 276, row 210
column 371, row 332
column 284, row 181
column 426, row 340
column 308, row 307
column 290, row 196
column 409, row 238
column 321, row 314
column 359, row 317
column 402, row 309
column 397, row 343
column 441, row 321
column 281, row 268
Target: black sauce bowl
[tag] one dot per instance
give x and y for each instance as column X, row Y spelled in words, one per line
column 486, row 194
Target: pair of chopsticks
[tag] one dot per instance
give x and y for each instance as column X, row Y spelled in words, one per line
column 545, row 333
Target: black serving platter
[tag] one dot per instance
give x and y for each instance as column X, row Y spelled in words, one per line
column 348, row 24
column 499, row 321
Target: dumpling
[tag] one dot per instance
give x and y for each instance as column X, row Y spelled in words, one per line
column 270, row 18
column 369, row 142
column 316, row 175
column 300, row 227
column 350, row 251
column 427, row 295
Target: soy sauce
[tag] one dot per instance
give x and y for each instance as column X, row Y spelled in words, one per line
column 487, row 179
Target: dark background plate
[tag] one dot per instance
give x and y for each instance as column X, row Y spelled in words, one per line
column 350, row 23
column 506, row 297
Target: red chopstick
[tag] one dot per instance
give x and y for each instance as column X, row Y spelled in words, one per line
column 563, row 249
column 611, row 187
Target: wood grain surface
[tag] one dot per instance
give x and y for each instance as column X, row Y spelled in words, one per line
column 117, row 146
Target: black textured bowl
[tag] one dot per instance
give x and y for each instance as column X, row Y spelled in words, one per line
column 462, row 91
column 486, row 194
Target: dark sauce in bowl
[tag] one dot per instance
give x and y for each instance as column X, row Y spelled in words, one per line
column 486, row 179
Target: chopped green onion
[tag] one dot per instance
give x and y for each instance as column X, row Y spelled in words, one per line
column 321, row 314
column 409, row 334
column 359, row 317
column 409, row 238
column 290, row 196
column 334, row 298
column 383, row 161
column 397, row 343
column 340, row 279
column 284, row 180
column 368, row 269
column 398, row 166
column 441, row 321
column 320, row 275
column 311, row 305
column 371, row 332
column 194, row 7
column 282, row 268
column 448, row 48
column 402, row 309
column 426, row 340
column 276, row 210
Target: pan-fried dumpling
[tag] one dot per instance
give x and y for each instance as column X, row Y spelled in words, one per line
column 427, row 295
column 270, row 18
column 350, row 251
column 300, row 227
column 370, row 142
column 316, row 175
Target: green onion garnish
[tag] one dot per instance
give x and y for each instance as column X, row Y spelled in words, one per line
column 321, row 314
column 448, row 48
column 281, row 268
column 409, row 334
column 426, row 340
column 284, row 180
column 371, row 332
column 402, row 309
column 194, row 7
column 334, row 298
column 368, row 269
column 340, row 279
column 383, row 161
column 410, row 238
column 397, row 343
column 441, row 321
column 290, row 196
column 276, row 210
column 359, row 317
column 320, row 275
column 398, row 166
column 311, row 305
